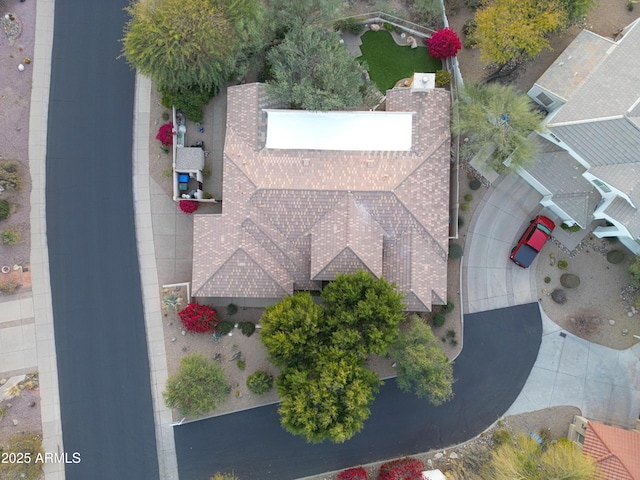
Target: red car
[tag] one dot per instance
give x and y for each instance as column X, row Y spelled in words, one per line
column 532, row 241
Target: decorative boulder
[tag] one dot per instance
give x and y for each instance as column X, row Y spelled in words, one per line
column 569, row 280
column 374, row 27
column 412, row 41
column 559, row 296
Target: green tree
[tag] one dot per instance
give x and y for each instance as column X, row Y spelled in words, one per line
column 515, row 29
column 363, row 313
column 311, row 70
column 525, row 459
column 30, row 446
column 192, row 44
column 634, row 271
column 305, row 12
column 291, row 329
column 422, row 366
column 499, row 121
column 198, row 387
column 328, row 401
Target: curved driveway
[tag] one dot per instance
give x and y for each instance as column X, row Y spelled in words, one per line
column 103, row 367
column 490, row 279
column 500, row 348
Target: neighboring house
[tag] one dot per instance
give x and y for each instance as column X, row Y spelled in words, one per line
column 589, row 162
column 308, row 195
column 615, row 451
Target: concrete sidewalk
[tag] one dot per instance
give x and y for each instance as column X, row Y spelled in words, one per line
column 602, row 382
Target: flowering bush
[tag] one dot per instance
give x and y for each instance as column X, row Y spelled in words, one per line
column 188, row 206
column 198, row 318
column 402, row 469
column 444, row 44
column 355, row 473
column 165, row 134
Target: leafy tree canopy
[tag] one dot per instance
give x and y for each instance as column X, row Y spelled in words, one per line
column 184, row 44
column 498, row 118
column 305, row 12
column 291, row 329
column 198, row 387
column 508, row 29
column 524, row 458
column 364, row 312
column 312, row 70
column 328, row 401
column 422, row 366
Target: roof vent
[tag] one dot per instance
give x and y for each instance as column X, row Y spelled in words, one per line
column 305, row 162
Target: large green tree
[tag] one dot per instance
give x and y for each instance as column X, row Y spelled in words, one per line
column 524, row 458
column 291, row 329
column 312, row 70
column 421, row 365
column 198, row 387
column 328, row 401
column 499, row 121
column 187, row 44
column 363, row 313
column 515, row 29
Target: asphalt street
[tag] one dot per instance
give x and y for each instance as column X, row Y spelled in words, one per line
column 101, row 347
column 500, row 348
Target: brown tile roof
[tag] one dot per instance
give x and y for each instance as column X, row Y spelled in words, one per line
column 292, row 218
column 616, row 451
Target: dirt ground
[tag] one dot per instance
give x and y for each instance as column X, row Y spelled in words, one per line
column 21, row 413
column 15, row 97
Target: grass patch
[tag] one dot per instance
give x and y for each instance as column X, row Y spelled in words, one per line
column 388, row 62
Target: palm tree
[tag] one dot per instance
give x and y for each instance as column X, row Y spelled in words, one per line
column 498, row 121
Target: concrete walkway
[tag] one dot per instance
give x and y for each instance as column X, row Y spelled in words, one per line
column 490, row 279
column 602, row 382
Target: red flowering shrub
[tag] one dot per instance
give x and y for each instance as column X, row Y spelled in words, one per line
column 444, row 44
column 355, row 473
column 188, row 206
column 165, row 134
column 402, row 469
column 198, row 318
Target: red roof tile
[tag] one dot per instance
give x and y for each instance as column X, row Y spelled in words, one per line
column 616, row 451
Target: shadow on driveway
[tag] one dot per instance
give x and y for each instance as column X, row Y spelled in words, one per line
column 500, row 348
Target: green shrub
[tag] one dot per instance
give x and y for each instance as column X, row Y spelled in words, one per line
column 241, row 364
column 455, row 251
column 563, row 264
column 165, row 116
column 547, row 279
column 224, row 327
column 189, row 100
column 634, row 271
column 388, row 26
column 198, row 387
column 11, row 236
column 247, row 328
column 468, row 197
column 448, row 307
column 350, row 25
column 206, row 171
column 28, row 445
column 637, row 301
column 475, row 184
column 259, row 382
column 615, row 256
column 443, row 78
column 630, row 6
column 502, row 436
column 5, row 210
column 9, row 287
column 439, row 320
column 164, row 148
column 168, row 172
column 460, row 221
column 10, row 174
column 232, row 309
column 464, row 207
column 569, row 280
column 451, row 334
column 207, row 196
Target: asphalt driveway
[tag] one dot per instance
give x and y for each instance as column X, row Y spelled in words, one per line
column 101, row 347
column 501, row 347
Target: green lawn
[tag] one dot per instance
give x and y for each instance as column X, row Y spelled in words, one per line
column 388, row 62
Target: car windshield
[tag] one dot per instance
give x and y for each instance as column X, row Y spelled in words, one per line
column 544, row 229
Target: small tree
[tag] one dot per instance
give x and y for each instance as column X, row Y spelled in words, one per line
column 444, row 44
column 198, row 318
column 422, row 366
column 259, row 382
column 165, row 134
column 499, row 121
column 198, row 387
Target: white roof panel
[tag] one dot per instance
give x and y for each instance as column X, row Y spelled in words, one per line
column 361, row 131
